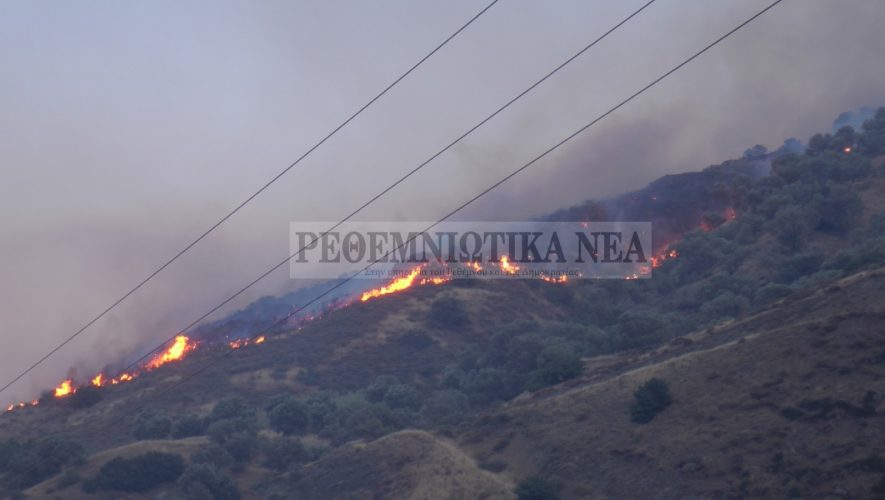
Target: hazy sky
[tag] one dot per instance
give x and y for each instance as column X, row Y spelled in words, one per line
column 128, row 128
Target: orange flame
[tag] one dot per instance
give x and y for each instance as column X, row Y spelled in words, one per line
column 260, row 340
column 507, row 266
column 65, row 389
column 554, row 279
column 394, row 286
column 175, row 352
column 98, row 381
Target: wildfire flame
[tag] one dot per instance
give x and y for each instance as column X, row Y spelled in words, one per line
column 658, row 260
column 507, row 267
column 65, row 389
column 175, row 352
column 554, row 279
column 394, row 286
column 183, row 345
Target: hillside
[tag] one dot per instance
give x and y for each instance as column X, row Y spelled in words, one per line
column 764, row 321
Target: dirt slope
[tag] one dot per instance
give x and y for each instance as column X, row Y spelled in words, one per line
column 406, row 465
column 726, row 434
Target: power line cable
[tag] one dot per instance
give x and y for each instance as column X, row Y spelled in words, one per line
column 248, row 200
column 391, row 186
column 498, row 183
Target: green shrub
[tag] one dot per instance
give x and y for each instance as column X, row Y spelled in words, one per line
column 447, row 312
column 281, row 453
column 231, row 408
column 797, row 266
column 650, row 398
column 31, row 462
column 792, row 225
column 188, row 426
column 203, row 481
column 238, row 436
column 536, row 488
column 214, row 455
column 402, row 396
column 446, row 407
column 376, row 391
column 838, row 208
column 151, row 424
column 290, row 417
column 725, row 305
column 138, row 474
column 638, row 329
column 556, row 364
column 321, row 408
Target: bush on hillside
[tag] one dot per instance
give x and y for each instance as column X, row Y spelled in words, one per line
column 290, row 417
column 137, row 474
column 282, row 453
column 151, row 424
column 26, row 464
column 650, row 399
column 536, row 488
column 231, row 408
column 203, row 481
column 555, row 364
column 447, row 312
column 188, row 426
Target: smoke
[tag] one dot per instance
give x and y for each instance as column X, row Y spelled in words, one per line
column 128, row 132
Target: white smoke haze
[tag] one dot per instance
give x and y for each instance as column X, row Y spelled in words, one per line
column 128, row 130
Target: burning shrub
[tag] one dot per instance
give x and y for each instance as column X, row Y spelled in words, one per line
column 151, row 424
column 290, row 417
column 137, row 474
column 651, row 398
column 205, row 481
